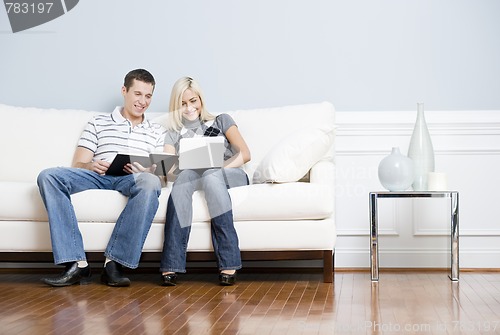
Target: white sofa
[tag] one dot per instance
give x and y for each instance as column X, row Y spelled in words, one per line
column 277, row 217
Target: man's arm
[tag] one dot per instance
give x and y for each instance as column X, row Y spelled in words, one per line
column 83, row 159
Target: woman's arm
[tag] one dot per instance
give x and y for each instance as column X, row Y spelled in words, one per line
column 169, row 149
column 242, row 156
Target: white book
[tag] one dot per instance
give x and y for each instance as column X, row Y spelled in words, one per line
column 201, row 152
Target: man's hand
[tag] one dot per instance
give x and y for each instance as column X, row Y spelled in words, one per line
column 99, row 166
column 83, row 158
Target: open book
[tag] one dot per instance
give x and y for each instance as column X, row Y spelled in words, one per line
column 163, row 160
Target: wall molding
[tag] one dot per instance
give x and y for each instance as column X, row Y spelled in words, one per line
column 420, row 232
column 448, row 152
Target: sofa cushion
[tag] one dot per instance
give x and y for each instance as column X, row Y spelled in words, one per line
column 296, row 201
column 291, row 159
column 293, row 201
column 21, row 201
column 264, row 128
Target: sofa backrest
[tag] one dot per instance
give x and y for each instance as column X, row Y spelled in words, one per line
column 35, row 138
column 263, row 128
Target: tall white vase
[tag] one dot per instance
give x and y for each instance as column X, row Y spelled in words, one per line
column 421, row 151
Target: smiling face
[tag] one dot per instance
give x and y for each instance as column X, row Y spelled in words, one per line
column 191, row 105
column 136, row 100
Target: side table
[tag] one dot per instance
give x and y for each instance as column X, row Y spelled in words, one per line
column 454, row 216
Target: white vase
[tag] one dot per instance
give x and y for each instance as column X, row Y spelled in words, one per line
column 396, row 171
column 421, row 151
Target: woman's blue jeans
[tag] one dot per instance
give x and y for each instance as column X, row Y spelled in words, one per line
column 130, row 231
column 215, row 184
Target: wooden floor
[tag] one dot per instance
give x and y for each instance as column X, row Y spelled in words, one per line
column 260, row 303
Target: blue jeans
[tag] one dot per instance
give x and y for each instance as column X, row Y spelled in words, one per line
column 130, row 231
column 215, row 183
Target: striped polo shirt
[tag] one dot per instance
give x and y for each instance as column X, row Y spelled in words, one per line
column 107, row 134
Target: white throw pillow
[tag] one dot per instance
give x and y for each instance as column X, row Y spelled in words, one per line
column 294, row 156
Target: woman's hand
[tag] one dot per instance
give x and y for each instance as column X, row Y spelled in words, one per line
column 135, row 167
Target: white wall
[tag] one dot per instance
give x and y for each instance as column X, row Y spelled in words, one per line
column 360, row 54
column 416, row 233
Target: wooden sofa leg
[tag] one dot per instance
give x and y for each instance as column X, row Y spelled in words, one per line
column 328, row 266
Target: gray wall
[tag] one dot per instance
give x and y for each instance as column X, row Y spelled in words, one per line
column 359, row 54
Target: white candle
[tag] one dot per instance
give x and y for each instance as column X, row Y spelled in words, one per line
column 437, row 181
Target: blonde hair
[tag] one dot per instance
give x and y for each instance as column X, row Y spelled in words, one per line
column 175, row 108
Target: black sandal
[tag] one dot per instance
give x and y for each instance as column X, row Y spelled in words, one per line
column 226, row 279
column 170, row 279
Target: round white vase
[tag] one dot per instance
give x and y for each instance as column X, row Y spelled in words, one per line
column 421, row 151
column 396, row 171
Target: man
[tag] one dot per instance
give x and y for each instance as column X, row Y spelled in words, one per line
column 105, row 135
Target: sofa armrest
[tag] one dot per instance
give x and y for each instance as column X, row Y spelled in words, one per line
column 323, row 172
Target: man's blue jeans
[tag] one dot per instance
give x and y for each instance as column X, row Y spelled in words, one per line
column 215, row 183
column 130, row 231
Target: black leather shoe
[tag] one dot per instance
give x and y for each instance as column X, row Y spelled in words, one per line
column 112, row 275
column 71, row 275
column 227, row 279
column 169, row 279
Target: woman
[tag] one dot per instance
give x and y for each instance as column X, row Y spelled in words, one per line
column 189, row 118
